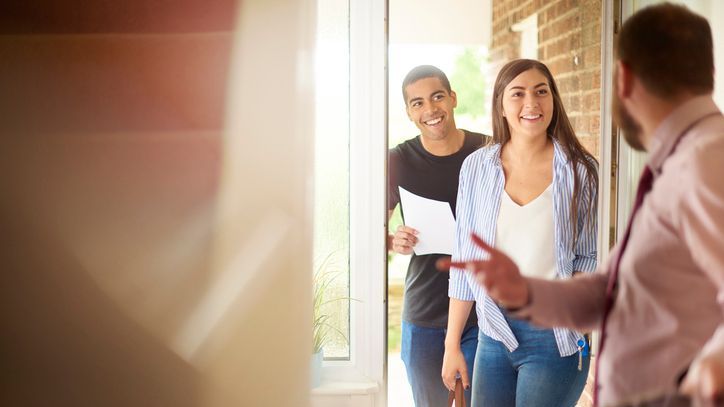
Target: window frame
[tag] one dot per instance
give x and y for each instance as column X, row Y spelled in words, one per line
column 368, row 217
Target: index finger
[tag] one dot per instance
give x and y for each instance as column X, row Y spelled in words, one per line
column 445, row 264
column 481, row 244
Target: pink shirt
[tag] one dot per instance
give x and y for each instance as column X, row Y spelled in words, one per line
column 670, row 300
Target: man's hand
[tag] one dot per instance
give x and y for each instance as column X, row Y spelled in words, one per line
column 498, row 274
column 705, row 382
column 404, row 239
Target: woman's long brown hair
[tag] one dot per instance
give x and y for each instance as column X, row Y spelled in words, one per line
column 560, row 129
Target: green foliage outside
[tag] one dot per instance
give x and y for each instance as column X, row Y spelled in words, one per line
column 394, row 295
column 394, row 222
column 468, row 81
column 326, row 298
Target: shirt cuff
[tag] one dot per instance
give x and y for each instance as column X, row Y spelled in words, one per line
column 460, row 291
column 536, row 295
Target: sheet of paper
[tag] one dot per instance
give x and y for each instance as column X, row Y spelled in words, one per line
column 433, row 220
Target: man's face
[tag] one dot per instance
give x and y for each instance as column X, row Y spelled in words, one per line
column 628, row 125
column 430, row 107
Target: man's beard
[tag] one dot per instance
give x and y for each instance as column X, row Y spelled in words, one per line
column 631, row 130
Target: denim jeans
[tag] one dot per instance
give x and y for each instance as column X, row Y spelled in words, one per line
column 534, row 375
column 422, row 351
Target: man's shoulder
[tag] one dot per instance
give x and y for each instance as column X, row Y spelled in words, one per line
column 485, row 154
column 475, row 138
column 703, row 150
column 705, row 139
column 407, row 145
column 402, row 155
column 475, row 135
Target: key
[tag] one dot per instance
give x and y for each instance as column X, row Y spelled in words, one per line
column 580, row 358
column 582, row 351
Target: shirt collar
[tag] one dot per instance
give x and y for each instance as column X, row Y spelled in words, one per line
column 559, row 156
column 673, row 127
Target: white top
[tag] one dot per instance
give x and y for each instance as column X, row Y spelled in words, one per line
column 526, row 234
column 480, row 192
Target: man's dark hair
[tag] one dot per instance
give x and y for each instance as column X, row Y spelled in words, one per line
column 422, row 72
column 670, row 49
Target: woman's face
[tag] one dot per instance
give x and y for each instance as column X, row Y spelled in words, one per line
column 528, row 104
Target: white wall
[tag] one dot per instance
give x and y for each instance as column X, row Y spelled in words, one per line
column 434, row 22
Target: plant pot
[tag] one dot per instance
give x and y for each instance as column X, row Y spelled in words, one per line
column 315, row 371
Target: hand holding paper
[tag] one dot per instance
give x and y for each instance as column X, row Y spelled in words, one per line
column 404, row 240
column 433, row 220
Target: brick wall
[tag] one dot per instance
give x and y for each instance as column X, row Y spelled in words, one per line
column 569, row 42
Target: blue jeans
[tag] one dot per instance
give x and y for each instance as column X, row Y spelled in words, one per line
column 422, row 351
column 534, row 375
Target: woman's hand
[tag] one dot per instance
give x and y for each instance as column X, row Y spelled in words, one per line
column 453, row 363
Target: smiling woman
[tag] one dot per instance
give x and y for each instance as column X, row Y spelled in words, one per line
column 525, row 193
column 527, row 104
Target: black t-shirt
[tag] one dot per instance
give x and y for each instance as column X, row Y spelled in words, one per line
column 416, row 170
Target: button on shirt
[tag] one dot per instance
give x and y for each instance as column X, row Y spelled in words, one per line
column 669, row 303
column 482, row 183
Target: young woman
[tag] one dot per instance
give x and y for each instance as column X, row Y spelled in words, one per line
column 532, row 194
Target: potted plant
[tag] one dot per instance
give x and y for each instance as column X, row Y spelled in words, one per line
column 322, row 329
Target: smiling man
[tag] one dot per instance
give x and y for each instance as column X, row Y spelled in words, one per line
column 428, row 166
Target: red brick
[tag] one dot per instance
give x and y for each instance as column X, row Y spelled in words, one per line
column 582, row 125
column 594, row 124
column 574, row 103
column 565, row 84
column 592, row 56
column 596, row 82
column 575, row 40
column 591, row 101
column 592, row 16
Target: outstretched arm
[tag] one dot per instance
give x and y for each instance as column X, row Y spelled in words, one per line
column 576, row 303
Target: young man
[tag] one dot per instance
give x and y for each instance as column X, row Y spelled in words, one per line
column 428, row 166
column 659, row 299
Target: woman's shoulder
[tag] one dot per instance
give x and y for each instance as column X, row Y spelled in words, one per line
column 484, row 156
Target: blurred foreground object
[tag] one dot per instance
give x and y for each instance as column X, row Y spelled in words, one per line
column 155, row 236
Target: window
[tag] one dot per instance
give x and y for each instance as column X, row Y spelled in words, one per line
column 528, row 29
column 332, row 175
column 350, row 150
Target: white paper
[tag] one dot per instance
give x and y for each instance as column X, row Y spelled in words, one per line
column 433, row 220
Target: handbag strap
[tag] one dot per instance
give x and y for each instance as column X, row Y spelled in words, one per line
column 458, row 395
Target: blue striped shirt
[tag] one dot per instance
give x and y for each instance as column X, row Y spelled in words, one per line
column 481, row 185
